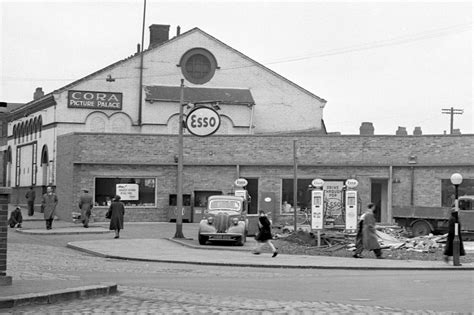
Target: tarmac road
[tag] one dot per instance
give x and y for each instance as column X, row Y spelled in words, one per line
column 164, row 288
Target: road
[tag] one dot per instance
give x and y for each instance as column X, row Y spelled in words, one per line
column 166, row 288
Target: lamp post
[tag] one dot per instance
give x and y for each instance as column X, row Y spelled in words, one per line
column 456, row 180
column 179, row 195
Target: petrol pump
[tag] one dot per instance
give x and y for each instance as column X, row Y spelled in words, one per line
column 351, row 205
column 317, row 207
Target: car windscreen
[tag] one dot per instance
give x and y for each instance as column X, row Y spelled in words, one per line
column 224, row 205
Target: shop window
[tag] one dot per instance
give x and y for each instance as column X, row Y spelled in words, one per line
column 303, row 194
column 186, row 200
column 133, row 191
column 447, row 191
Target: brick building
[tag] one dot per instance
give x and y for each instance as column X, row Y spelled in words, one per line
column 119, row 126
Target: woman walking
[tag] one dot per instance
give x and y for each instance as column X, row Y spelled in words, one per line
column 369, row 236
column 264, row 235
column 117, row 210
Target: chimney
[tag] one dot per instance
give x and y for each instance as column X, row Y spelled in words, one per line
column 456, row 131
column 402, row 131
column 38, row 93
column 417, row 131
column 366, row 129
column 178, row 30
column 159, row 33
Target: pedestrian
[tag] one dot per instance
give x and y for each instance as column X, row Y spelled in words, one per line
column 85, row 204
column 16, row 218
column 264, row 234
column 116, row 210
column 369, row 236
column 30, row 198
column 448, row 249
column 359, row 243
column 48, row 206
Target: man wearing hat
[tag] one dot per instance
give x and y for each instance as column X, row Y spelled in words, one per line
column 448, row 249
column 85, row 204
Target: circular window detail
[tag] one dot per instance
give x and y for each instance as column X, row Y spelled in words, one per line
column 198, row 65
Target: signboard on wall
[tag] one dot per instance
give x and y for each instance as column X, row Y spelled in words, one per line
column 94, row 100
column 127, row 191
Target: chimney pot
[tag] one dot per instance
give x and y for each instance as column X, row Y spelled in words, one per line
column 159, row 33
column 402, row 131
column 456, row 131
column 38, row 93
column 417, row 131
column 366, row 129
column 178, row 30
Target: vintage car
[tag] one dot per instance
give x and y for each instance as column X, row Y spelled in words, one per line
column 225, row 219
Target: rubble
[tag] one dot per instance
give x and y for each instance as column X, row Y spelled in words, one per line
column 388, row 237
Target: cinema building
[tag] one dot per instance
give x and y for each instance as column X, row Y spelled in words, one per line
column 119, row 126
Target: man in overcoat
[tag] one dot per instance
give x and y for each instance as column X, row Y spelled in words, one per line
column 85, row 204
column 448, row 249
column 30, row 199
column 369, row 236
column 49, row 202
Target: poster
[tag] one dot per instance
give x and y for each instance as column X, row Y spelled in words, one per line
column 334, row 213
column 127, row 191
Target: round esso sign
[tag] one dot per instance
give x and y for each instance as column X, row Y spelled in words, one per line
column 352, row 183
column 318, row 182
column 241, row 182
column 203, row 121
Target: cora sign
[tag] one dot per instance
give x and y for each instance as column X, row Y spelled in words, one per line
column 203, row 121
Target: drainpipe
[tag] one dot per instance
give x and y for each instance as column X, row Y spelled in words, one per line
column 412, row 188
column 389, row 194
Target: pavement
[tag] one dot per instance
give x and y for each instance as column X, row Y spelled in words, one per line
column 183, row 251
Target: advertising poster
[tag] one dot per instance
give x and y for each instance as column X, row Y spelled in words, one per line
column 334, row 212
column 127, row 191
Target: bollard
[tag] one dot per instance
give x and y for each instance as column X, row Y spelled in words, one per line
column 456, row 246
column 4, row 196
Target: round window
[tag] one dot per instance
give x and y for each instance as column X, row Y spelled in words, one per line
column 198, row 65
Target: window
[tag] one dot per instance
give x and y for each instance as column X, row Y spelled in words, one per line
column 198, row 65
column 134, row 191
column 447, row 191
column 303, row 193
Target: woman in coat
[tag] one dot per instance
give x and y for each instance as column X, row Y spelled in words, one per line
column 264, row 235
column 117, row 210
column 448, row 249
column 369, row 236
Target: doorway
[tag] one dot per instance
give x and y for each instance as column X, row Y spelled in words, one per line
column 378, row 196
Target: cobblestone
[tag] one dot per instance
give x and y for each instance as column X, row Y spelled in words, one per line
column 139, row 300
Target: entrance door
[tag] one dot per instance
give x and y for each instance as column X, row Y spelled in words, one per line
column 378, row 196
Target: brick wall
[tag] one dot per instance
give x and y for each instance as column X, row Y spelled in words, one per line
column 212, row 163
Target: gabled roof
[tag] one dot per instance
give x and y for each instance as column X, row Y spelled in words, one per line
column 194, row 94
column 137, row 55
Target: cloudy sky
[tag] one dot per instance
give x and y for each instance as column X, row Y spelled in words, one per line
column 391, row 63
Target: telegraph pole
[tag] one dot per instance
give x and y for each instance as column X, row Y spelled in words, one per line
column 452, row 111
column 179, row 196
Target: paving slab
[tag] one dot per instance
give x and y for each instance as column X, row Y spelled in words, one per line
column 177, row 251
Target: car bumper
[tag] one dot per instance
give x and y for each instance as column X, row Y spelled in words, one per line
column 231, row 237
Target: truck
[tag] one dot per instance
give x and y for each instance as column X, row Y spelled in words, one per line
column 426, row 220
column 224, row 220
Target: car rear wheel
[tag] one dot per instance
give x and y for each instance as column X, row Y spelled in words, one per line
column 421, row 228
column 203, row 239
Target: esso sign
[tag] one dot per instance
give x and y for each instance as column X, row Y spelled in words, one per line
column 318, row 182
column 352, row 183
column 241, row 182
column 203, row 121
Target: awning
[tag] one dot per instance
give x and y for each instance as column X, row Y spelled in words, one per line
column 193, row 95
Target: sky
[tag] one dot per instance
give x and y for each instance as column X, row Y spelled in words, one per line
column 390, row 63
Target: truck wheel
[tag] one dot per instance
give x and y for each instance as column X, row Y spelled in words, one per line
column 203, row 239
column 421, row 228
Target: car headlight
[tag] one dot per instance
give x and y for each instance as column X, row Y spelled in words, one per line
column 210, row 220
column 235, row 221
